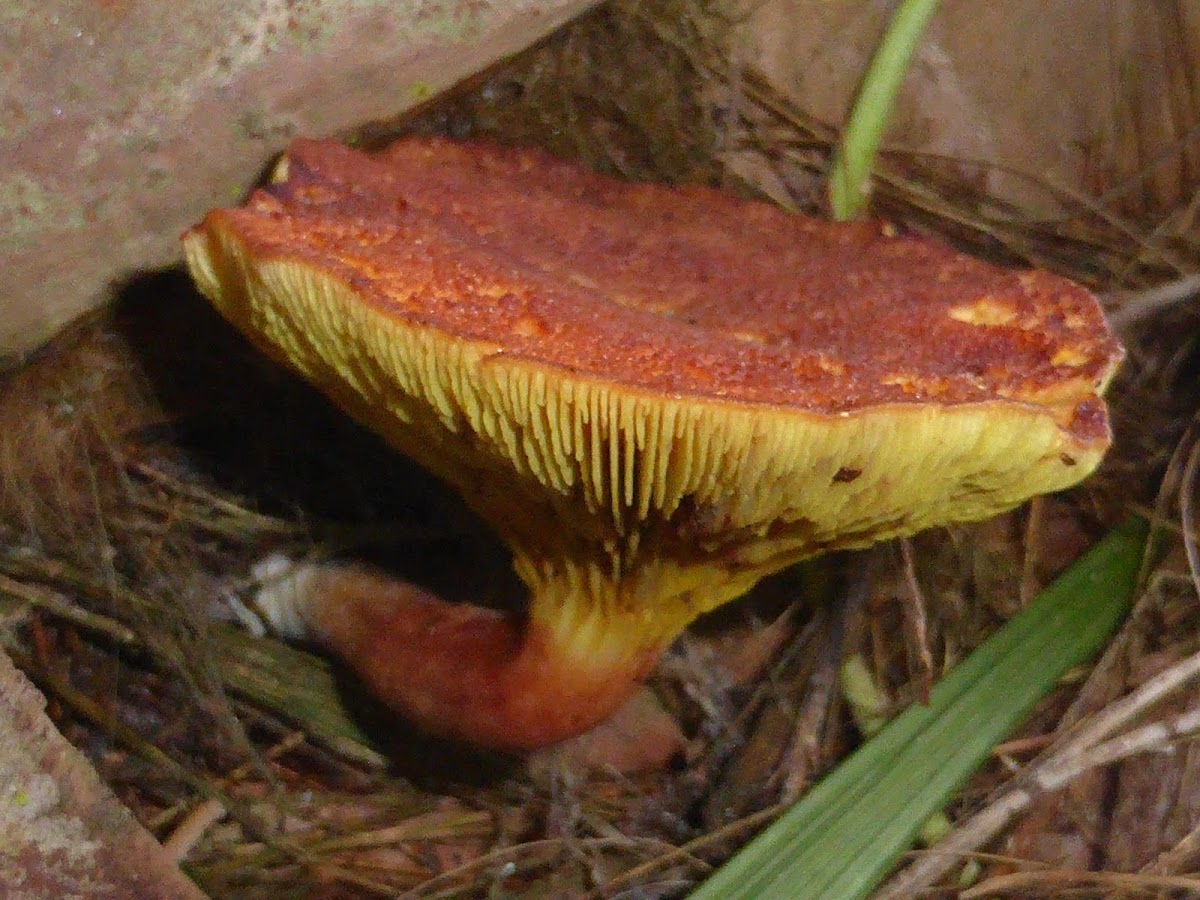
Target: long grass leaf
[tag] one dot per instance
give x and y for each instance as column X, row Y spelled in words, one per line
column 849, row 175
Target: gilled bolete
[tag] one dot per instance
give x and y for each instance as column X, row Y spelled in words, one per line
column 655, row 395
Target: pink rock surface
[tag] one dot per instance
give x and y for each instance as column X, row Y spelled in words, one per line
column 123, row 121
column 62, row 832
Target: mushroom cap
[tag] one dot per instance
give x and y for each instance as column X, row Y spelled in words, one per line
column 665, row 372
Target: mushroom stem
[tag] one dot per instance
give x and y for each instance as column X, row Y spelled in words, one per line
column 455, row 670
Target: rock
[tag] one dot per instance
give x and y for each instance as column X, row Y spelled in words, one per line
column 123, row 121
column 62, row 832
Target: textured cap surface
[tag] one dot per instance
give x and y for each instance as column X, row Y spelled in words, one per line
column 683, row 290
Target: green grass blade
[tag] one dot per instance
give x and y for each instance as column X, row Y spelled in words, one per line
column 846, row 834
column 849, row 175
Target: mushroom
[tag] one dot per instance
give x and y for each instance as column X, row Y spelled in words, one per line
column 655, row 395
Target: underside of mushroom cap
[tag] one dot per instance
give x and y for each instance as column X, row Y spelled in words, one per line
column 657, row 395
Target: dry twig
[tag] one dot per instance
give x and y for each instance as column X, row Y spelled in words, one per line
column 1085, row 748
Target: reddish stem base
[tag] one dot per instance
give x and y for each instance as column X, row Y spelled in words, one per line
column 458, row 671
